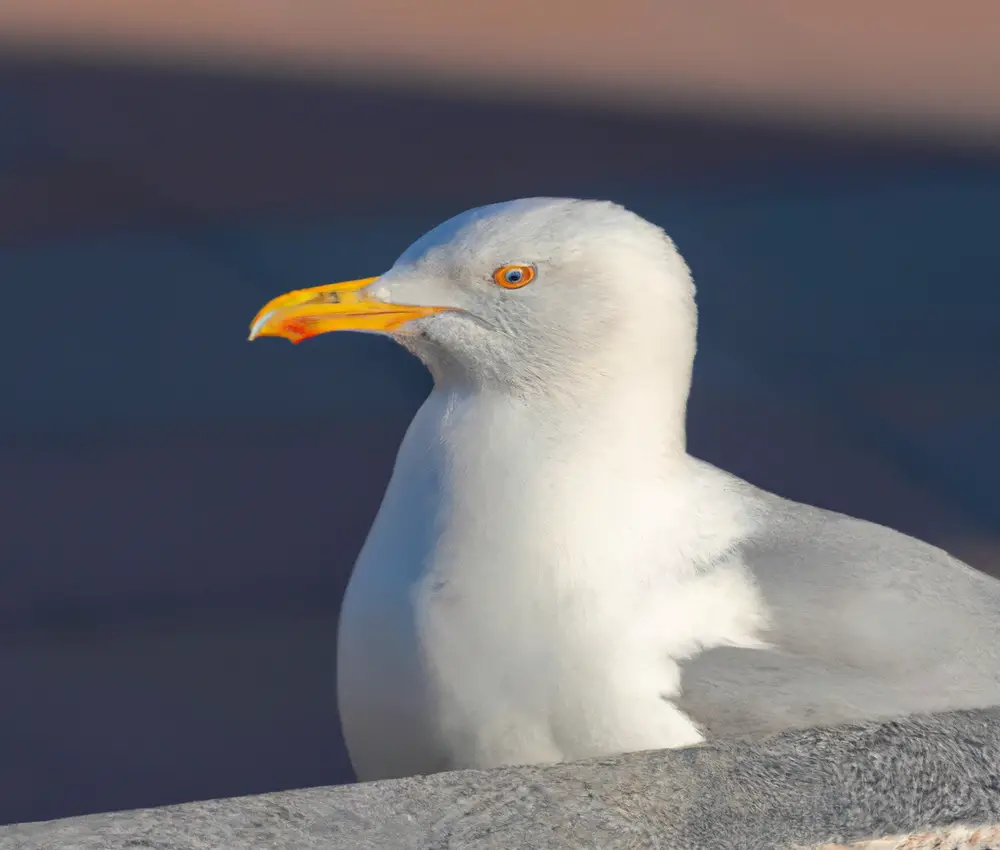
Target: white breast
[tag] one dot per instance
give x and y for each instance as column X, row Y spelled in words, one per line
column 522, row 595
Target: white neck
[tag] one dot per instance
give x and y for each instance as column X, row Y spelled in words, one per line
column 538, row 483
column 627, row 392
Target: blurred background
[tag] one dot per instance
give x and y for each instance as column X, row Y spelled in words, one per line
column 179, row 510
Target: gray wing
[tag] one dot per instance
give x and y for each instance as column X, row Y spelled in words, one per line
column 866, row 623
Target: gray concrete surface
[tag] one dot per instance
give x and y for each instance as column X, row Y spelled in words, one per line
column 790, row 790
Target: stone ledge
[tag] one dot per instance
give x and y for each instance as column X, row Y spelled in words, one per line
column 844, row 784
column 948, row 838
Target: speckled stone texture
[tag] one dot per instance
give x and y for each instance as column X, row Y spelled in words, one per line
column 796, row 789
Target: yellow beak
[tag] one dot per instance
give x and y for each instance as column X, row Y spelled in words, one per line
column 344, row 306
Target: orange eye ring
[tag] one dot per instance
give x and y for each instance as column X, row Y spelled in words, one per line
column 514, row 276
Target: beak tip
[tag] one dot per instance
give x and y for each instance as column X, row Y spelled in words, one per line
column 259, row 324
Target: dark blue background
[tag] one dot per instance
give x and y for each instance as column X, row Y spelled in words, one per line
column 179, row 510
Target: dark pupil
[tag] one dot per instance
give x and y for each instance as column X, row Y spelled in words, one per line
column 513, row 276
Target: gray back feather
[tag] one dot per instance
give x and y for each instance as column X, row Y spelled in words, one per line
column 865, row 623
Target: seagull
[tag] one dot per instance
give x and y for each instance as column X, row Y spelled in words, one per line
column 551, row 576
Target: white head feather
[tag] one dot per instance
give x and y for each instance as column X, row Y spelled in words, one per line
column 612, row 301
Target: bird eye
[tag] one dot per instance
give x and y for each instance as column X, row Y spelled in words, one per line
column 514, row 276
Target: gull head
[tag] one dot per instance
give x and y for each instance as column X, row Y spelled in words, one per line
column 527, row 295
